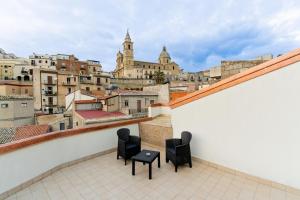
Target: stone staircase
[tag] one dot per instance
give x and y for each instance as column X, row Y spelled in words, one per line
column 157, row 130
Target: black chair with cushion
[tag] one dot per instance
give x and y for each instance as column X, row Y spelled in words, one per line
column 178, row 150
column 128, row 145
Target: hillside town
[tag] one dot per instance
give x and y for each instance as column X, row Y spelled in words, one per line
column 45, row 93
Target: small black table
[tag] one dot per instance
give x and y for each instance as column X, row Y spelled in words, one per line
column 142, row 157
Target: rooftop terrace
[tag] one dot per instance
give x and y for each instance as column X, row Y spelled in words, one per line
column 245, row 146
column 105, row 177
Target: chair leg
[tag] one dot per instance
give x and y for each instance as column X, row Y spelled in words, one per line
column 175, row 168
column 167, row 160
column 125, row 161
column 190, row 163
column 117, row 156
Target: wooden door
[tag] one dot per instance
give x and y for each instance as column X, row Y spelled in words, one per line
column 139, row 105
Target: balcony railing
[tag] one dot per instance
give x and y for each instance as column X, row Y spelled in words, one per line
column 69, row 83
column 47, row 82
column 50, row 93
column 86, row 81
column 50, row 104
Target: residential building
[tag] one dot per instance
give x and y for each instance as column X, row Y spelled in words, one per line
column 103, row 110
column 128, row 67
column 55, row 122
column 16, row 111
column 45, row 91
column 11, row 68
column 44, row 61
column 94, row 66
column 72, row 64
column 10, row 88
column 133, row 102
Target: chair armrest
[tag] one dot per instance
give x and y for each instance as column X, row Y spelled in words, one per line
column 135, row 139
column 172, row 143
column 182, row 150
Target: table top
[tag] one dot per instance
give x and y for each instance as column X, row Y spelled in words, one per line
column 142, row 157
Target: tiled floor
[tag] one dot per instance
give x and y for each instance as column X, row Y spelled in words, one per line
column 105, row 177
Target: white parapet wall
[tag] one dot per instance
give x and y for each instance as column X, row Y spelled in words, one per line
column 252, row 127
column 24, row 164
column 158, row 110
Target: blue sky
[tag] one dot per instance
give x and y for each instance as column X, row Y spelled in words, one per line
column 198, row 34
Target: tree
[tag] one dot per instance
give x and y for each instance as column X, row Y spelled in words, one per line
column 159, row 77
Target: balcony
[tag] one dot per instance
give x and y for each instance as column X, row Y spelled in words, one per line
column 47, row 82
column 50, row 93
column 69, row 84
column 86, row 82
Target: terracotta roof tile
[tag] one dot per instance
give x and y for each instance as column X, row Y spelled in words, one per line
column 30, row 131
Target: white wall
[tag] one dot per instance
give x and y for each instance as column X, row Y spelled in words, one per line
column 158, row 110
column 26, row 163
column 252, row 127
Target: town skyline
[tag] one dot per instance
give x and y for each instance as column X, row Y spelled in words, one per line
column 195, row 42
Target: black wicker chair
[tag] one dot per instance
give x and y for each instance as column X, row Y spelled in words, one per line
column 178, row 150
column 128, row 145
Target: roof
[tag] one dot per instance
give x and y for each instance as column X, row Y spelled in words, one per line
column 94, row 100
column 164, row 53
column 136, row 93
column 259, row 70
column 12, row 98
column 85, row 101
column 96, row 114
column 6, row 135
column 30, row 131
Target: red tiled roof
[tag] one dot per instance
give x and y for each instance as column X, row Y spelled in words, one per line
column 30, row 131
column 96, row 114
column 86, row 101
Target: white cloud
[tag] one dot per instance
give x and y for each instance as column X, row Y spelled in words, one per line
column 198, row 34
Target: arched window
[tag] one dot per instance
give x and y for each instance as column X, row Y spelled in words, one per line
column 129, row 46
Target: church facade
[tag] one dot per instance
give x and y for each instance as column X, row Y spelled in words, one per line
column 127, row 67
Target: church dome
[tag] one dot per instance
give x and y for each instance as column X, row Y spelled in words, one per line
column 164, row 53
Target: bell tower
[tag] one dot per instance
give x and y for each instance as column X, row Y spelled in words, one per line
column 127, row 51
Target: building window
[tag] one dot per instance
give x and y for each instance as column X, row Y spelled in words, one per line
column 151, row 102
column 26, row 91
column 13, row 91
column 87, row 88
column 69, row 90
column 46, row 61
column 98, row 89
column 126, row 103
column 4, row 105
column 74, row 79
column 129, row 46
column 106, row 80
column 173, row 68
column 149, row 66
column 23, row 105
column 40, row 61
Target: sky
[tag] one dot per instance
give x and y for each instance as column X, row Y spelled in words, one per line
column 197, row 34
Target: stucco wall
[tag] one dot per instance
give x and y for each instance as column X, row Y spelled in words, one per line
column 252, row 127
column 24, row 164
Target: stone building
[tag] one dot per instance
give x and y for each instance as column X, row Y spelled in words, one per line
column 15, row 68
column 50, row 87
column 11, row 88
column 45, row 90
column 132, row 102
column 128, row 67
column 16, row 111
column 42, row 61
